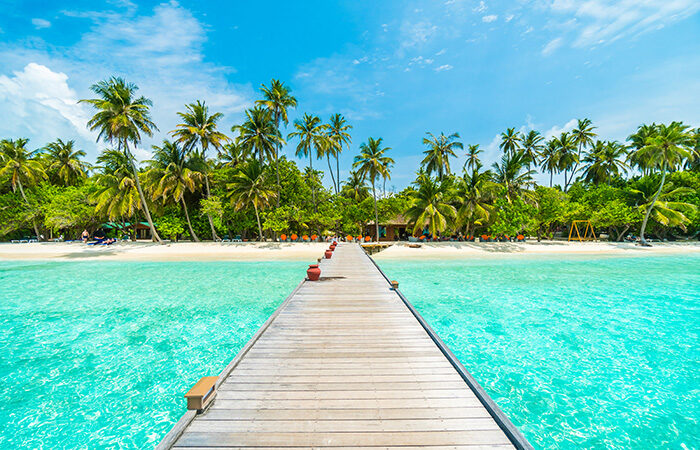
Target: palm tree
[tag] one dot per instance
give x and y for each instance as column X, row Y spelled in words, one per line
column 22, row 168
column 171, row 177
column 532, row 146
column 338, row 131
column 665, row 150
column 120, row 119
column 440, row 148
column 472, row 157
column 429, row 206
column 259, row 134
column 277, row 99
column 604, row 161
column 476, row 192
column 372, row 163
column 117, row 195
column 233, row 154
column 355, row 187
column 64, row 161
column 513, row 174
column 330, row 149
column 582, row 136
column 664, row 210
column 566, row 157
column 199, row 129
column 312, row 135
column 250, row 186
column 637, row 142
column 510, row 141
column 550, row 159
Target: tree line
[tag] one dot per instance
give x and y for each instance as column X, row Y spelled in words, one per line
column 204, row 183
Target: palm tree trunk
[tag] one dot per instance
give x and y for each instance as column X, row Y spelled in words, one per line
column 21, row 191
column 277, row 169
column 551, row 176
column 154, row 233
column 337, row 171
column 189, row 224
column 257, row 216
column 376, row 215
column 328, row 158
column 651, row 206
column 311, row 174
column 214, row 236
column 566, row 183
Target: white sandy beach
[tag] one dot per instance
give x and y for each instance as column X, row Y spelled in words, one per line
column 266, row 251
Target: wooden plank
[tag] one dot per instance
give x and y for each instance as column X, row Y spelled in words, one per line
column 345, row 414
column 216, row 439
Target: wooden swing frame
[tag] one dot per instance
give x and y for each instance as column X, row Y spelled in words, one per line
column 585, row 237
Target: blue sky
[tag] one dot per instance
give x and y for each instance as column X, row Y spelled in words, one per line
column 395, row 69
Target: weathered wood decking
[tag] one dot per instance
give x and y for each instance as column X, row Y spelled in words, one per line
column 346, row 362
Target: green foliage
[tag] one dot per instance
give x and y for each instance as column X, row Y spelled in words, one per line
column 171, row 226
column 511, row 218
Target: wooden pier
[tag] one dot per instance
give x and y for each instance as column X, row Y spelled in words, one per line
column 346, row 362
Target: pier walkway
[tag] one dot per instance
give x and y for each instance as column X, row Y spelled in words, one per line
column 346, row 362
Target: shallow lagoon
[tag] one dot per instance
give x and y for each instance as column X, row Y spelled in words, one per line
column 579, row 351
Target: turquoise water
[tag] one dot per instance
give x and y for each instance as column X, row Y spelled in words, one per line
column 579, row 352
column 99, row 354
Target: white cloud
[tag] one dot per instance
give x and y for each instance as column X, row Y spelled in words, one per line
column 443, row 67
column 161, row 52
column 481, row 7
column 604, row 21
column 40, row 23
column 552, row 46
column 509, row 17
column 40, row 103
column 490, row 18
column 441, row 52
column 417, row 34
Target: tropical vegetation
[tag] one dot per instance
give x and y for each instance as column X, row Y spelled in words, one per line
column 202, row 183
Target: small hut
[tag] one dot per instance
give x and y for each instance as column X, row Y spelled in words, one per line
column 394, row 229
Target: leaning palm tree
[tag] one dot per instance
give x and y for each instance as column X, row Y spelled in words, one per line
column 532, row 146
column 355, row 187
column 339, row 132
column 475, row 192
column 250, row 186
column 372, row 163
column 665, row 210
column 23, row 169
column 121, row 118
column 116, row 196
column 513, row 174
column 329, row 148
column 510, row 141
column 604, row 161
column 64, row 161
column 437, row 156
column 198, row 132
column 171, row 177
column 277, row 99
column 472, row 157
column 429, row 206
column 582, row 137
column 664, row 151
column 550, row 159
column 312, row 141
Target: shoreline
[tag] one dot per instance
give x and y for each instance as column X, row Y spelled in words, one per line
column 287, row 251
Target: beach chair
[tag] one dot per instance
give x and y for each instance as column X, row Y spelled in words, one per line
column 237, row 238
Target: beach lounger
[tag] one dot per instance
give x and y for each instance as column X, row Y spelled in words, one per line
column 237, row 238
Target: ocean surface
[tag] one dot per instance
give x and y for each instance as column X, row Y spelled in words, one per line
column 579, row 352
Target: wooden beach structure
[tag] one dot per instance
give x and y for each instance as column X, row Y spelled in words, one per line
column 344, row 362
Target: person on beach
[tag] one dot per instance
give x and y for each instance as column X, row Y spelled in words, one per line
column 85, row 236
